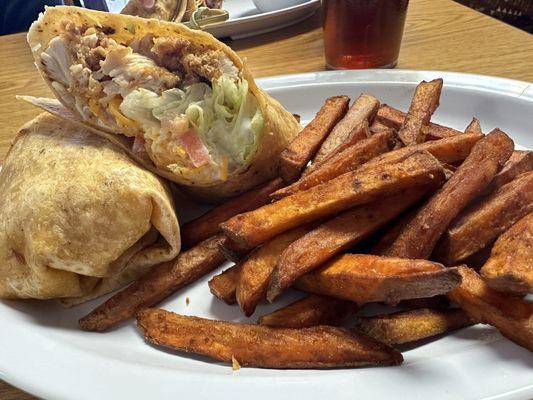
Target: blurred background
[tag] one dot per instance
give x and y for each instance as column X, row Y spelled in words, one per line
column 17, row 15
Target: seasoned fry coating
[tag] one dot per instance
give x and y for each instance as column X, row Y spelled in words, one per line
column 393, row 118
column 337, row 235
column 159, row 283
column 263, row 346
column 345, row 161
column 234, row 251
column 419, row 237
column 312, row 310
column 474, row 127
column 410, row 326
column 302, row 149
column 425, row 102
column 481, row 223
column 450, row 150
column 365, row 278
column 208, row 224
column 511, row 315
column 510, row 266
column 519, row 163
column 346, row 191
column 363, row 108
column 256, row 269
column 223, row 285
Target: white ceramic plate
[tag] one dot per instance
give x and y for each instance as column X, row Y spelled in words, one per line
column 246, row 20
column 43, row 352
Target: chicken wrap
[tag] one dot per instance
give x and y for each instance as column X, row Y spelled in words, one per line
column 182, row 103
column 78, row 218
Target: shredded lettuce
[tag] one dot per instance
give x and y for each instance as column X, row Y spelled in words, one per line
column 226, row 117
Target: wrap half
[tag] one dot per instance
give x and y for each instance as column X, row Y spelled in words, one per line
column 182, row 103
column 78, row 218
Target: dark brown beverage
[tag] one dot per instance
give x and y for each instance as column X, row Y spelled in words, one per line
column 363, row 33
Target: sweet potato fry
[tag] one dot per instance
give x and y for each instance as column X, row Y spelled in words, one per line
column 223, row 285
column 337, row 235
column 450, row 150
column 519, row 163
column 482, row 222
column 340, row 163
column 264, row 346
column 511, row 315
column 410, row 326
column 256, row 269
column 360, row 132
column 510, row 266
column 363, row 108
column 365, row 278
column 474, row 127
column 345, row 191
column 159, row 283
column 208, row 224
column 234, row 251
column 302, row 149
column 387, row 239
column 425, row 102
column 394, row 118
column 312, row 310
column 419, row 237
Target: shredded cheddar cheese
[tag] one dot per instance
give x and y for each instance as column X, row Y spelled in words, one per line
column 119, row 117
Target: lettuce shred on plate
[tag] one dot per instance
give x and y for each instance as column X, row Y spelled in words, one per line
column 187, row 106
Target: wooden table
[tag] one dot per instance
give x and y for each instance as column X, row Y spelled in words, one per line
column 439, row 35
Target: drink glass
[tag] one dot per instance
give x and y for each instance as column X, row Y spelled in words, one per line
column 363, row 33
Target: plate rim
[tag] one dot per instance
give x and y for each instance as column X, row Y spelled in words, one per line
column 17, row 376
column 265, row 15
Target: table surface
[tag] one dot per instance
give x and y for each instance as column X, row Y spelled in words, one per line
column 439, row 35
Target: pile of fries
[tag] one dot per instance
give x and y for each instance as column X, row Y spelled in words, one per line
column 372, row 205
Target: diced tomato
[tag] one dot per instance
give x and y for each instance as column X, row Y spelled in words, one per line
column 194, row 147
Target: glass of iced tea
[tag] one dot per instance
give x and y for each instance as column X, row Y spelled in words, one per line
column 363, row 33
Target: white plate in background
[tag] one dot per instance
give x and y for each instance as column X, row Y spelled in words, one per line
column 43, row 352
column 246, row 20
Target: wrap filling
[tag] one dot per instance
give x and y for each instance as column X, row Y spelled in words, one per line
column 187, row 106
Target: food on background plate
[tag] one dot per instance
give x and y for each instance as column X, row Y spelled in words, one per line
column 312, row 310
column 156, row 285
column 302, row 149
column 424, row 103
column 512, row 316
column 510, row 265
column 364, row 278
column 346, row 191
column 168, row 10
column 410, row 326
column 481, row 223
column 78, row 218
column 263, row 346
column 363, row 109
column 419, row 237
column 180, row 102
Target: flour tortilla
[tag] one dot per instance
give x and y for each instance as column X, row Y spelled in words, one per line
column 78, row 218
